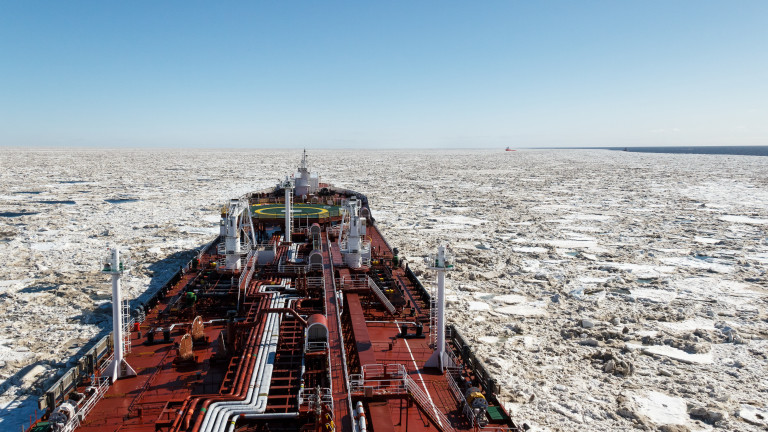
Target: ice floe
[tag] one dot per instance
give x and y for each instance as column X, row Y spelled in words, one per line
column 665, row 256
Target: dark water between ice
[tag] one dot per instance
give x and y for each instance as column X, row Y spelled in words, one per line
column 67, row 202
column 10, row 214
column 719, row 150
column 121, row 200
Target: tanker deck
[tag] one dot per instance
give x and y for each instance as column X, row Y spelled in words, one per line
column 305, row 322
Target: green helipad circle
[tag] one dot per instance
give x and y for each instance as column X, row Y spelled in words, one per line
column 303, row 210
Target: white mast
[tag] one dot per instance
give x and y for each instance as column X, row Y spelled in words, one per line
column 441, row 262
column 288, row 186
column 119, row 368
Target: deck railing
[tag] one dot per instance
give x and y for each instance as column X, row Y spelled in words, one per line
column 393, row 379
column 308, row 398
column 353, row 282
column 437, row 416
column 379, row 379
column 316, row 347
column 292, row 268
column 101, row 384
column 107, row 361
column 466, row 409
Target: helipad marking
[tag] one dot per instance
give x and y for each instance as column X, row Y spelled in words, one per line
column 278, row 209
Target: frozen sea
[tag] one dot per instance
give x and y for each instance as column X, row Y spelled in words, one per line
column 606, row 290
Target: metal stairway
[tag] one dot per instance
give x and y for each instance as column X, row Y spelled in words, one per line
column 380, row 295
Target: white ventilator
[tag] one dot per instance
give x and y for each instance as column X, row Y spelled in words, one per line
column 231, row 233
column 119, row 368
column 441, row 262
column 235, row 217
column 354, row 246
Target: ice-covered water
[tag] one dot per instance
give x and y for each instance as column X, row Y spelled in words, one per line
column 606, row 290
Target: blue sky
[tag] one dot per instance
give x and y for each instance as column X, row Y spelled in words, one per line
column 390, row 74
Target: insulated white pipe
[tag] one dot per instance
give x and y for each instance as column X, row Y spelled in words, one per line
column 227, row 410
column 216, row 406
column 265, row 372
column 258, row 366
column 256, row 399
column 360, row 417
column 212, row 416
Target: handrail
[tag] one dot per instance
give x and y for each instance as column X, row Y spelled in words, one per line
column 101, row 385
column 354, row 282
column 244, row 274
column 380, row 378
column 292, row 268
column 394, row 379
column 460, row 398
column 440, row 419
column 107, row 361
column 316, row 346
column 305, row 397
column 247, row 275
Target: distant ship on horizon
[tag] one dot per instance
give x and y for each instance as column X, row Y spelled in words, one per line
column 509, row 149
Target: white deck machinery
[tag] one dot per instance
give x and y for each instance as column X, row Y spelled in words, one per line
column 234, row 218
column 114, row 265
column 306, row 182
column 440, row 262
column 352, row 242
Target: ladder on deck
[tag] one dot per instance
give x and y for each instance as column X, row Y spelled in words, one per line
column 127, row 323
column 380, row 295
column 433, row 318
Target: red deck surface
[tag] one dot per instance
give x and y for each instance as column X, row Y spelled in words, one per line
column 386, row 347
column 169, row 396
column 335, row 346
column 136, row 403
column 413, row 353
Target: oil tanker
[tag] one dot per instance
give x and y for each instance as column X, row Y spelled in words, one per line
column 298, row 316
